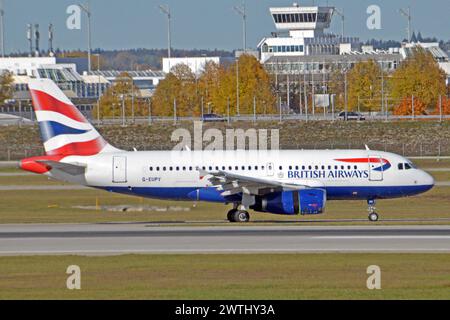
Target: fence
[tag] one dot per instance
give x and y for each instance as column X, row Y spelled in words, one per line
column 439, row 149
column 248, row 118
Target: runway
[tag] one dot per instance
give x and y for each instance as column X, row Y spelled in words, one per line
column 124, row 238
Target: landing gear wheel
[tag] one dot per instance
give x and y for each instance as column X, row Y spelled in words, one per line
column 230, row 214
column 241, row 216
column 373, row 217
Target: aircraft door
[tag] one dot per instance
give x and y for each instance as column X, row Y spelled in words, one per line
column 270, row 169
column 375, row 168
column 119, row 169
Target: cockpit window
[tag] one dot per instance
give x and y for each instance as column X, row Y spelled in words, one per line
column 400, row 166
column 408, row 166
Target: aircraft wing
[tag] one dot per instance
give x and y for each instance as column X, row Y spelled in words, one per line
column 230, row 184
column 70, row 169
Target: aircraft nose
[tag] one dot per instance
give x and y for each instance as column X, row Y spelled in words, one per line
column 427, row 179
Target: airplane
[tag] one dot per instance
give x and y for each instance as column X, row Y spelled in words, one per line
column 283, row 182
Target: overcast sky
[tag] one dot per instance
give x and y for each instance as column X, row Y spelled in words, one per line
column 203, row 23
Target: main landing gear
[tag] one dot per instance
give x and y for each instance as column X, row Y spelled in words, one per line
column 373, row 216
column 237, row 215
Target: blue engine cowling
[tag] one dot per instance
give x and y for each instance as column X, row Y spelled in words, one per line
column 308, row 201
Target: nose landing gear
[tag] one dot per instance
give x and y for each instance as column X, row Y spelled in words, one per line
column 373, row 216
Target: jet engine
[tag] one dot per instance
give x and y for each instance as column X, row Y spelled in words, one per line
column 305, row 202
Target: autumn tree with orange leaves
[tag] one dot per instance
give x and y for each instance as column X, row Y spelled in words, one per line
column 405, row 108
column 445, row 106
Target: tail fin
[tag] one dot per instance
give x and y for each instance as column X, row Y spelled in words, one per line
column 64, row 130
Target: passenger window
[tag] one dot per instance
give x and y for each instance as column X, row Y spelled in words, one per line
column 296, row 167
column 243, row 168
column 151, row 168
column 290, row 167
column 323, row 167
column 236, row 168
column 157, row 168
column 400, row 166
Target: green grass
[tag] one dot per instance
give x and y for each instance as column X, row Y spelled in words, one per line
column 57, row 207
column 432, row 163
column 284, row 276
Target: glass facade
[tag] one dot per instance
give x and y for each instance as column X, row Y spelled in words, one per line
column 291, row 48
column 299, row 17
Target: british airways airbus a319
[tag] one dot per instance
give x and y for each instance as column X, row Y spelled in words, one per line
column 285, row 182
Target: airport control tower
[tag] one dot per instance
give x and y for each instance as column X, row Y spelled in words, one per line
column 302, row 22
column 304, row 33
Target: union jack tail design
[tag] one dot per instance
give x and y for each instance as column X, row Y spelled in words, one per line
column 64, row 130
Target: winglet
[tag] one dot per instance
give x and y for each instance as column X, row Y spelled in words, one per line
column 367, row 147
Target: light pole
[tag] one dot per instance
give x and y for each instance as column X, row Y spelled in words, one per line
column 407, row 14
column 2, row 25
column 166, row 10
column 240, row 10
column 238, row 111
column 341, row 14
column 85, row 8
column 98, row 87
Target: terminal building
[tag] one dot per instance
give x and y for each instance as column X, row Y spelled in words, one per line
column 301, row 54
column 70, row 74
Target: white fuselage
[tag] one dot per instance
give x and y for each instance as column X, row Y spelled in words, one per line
column 344, row 174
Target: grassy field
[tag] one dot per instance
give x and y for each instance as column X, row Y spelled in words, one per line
column 58, row 207
column 291, row 276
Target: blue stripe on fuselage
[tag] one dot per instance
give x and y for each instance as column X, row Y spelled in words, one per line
column 333, row 193
column 50, row 129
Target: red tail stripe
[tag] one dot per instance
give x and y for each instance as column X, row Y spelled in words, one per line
column 88, row 148
column 363, row 160
column 45, row 102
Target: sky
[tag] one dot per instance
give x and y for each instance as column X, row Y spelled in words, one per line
column 204, row 24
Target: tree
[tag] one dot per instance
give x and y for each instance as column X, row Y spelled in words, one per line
column 364, row 86
column 419, row 76
column 445, row 106
column 405, row 108
column 111, row 101
column 337, row 86
column 6, row 86
column 179, row 86
column 216, row 85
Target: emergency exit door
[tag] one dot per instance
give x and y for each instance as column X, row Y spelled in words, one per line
column 119, row 169
column 376, row 168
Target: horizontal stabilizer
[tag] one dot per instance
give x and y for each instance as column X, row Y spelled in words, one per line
column 71, row 169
